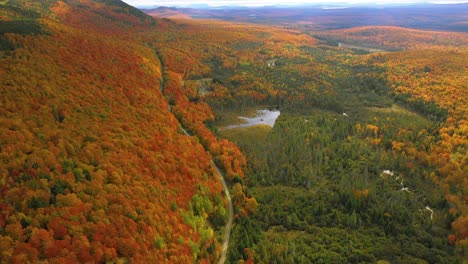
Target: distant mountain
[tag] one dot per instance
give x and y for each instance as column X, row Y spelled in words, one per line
column 166, row 12
column 336, row 16
column 401, row 38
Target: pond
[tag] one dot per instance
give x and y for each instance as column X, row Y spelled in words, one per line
column 262, row 117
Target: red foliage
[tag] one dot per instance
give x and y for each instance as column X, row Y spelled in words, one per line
column 91, row 157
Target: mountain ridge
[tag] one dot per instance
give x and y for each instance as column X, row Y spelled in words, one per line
column 101, row 177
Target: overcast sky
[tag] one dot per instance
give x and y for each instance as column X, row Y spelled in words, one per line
column 178, row 3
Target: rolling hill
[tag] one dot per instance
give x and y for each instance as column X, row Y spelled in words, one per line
column 166, row 12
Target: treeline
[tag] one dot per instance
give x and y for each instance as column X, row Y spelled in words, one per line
column 427, row 108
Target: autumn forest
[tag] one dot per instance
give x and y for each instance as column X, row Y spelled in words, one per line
column 274, row 135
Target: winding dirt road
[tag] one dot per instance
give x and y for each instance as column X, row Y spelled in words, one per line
column 227, row 229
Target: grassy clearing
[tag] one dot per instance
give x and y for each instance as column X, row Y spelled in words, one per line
column 231, row 117
column 395, row 109
column 246, row 135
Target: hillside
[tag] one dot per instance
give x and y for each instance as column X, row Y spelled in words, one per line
column 396, row 38
column 94, row 166
column 165, row 12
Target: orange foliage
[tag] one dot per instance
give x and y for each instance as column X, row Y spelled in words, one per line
column 391, row 37
column 193, row 115
column 437, row 76
column 94, row 168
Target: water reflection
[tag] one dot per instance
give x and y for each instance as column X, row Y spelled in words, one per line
column 263, row 117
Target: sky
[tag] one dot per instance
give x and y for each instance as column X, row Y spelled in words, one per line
column 182, row 3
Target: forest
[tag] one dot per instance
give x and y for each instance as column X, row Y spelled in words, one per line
column 113, row 132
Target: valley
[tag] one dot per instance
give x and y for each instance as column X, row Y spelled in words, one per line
column 251, row 135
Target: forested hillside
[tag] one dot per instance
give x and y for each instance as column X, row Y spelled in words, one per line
column 94, row 166
column 396, row 38
column 113, row 126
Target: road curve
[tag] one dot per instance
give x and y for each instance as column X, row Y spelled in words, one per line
column 227, row 229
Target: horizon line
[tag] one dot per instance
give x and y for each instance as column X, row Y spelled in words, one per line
column 356, row 3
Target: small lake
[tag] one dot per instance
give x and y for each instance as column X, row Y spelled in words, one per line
column 262, row 117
